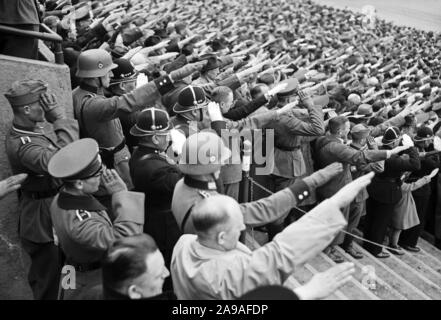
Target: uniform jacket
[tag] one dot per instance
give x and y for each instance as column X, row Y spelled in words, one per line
column 257, row 213
column 329, row 149
column 428, row 164
column 155, row 175
column 98, row 115
column 288, row 160
column 29, row 151
column 200, row 272
column 18, row 12
column 84, row 229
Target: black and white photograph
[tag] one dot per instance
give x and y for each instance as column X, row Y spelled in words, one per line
column 238, row 152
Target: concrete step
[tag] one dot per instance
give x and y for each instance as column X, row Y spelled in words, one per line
column 430, row 249
column 423, row 286
column 352, row 289
column 380, row 288
column 418, row 265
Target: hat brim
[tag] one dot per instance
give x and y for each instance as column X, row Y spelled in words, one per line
column 177, row 108
column 419, row 139
column 138, row 132
column 387, row 142
column 200, row 170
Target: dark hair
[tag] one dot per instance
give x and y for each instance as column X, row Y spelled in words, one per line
column 336, row 123
column 125, row 260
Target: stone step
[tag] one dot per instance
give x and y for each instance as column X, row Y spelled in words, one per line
column 303, row 274
column 419, row 284
column 430, row 249
column 418, row 265
column 353, row 289
column 381, row 288
column 429, row 260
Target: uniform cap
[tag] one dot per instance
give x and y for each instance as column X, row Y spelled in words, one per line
column 25, row 92
column 190, row 98
column 360, row 131
column 364, row 111
column 151, row 121
column 78, row 160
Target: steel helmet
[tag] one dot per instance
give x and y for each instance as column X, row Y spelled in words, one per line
column 94, row 63
column 203, row 153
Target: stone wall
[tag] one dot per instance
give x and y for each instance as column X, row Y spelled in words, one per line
column 14, row 262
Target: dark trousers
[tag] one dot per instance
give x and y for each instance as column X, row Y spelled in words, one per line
column 161, row 225
column 410, row 236
column 17, row 46
column 279, row 183
column 356, row 210
column 45, row 269
column 378, row 218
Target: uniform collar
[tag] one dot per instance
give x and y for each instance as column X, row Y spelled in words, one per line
column 26, row 130
column 197, row 184
column 354, row 146
column 92, row 89
column 68, row 201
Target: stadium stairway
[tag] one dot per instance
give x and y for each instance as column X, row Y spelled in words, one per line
column 412, row 276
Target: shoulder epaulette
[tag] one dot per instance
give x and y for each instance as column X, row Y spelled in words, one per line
column 25, row 139
column 204, row 194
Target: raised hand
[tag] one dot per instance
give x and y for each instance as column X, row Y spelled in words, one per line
column 112, row 181
column 325, row 283
column 348, row 193
column 11, row 184
column 52, row 111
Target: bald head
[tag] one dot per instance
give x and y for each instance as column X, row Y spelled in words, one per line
column 213, row 212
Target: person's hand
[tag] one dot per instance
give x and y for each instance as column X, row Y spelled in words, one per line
column 433, row 173
column 214, row 111
column 112, row 181
column 177, row 141
column 11, row 184
column 348, row 193
column 399, row 149
column 321, row 177
column 52, row 111
column 306, row 99
column 372, row 144
column 325, row 283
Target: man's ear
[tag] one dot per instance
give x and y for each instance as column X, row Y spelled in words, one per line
column 155, row 139
column 79, row 184
column 220, row 238
column 26, row 110
column 133, row 293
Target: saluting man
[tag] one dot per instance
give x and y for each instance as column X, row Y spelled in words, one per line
column 98, row 115
column 156, row 174
column 29, row 148
column 81, row 222
column 202, row 156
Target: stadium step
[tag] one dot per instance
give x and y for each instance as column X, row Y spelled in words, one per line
column 413, row 276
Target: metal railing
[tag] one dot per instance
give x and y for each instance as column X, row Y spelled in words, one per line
column 47, row 35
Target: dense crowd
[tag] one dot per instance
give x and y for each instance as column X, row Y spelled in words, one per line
column 167, row 95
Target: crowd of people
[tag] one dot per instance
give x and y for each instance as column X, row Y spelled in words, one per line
column 141, row 191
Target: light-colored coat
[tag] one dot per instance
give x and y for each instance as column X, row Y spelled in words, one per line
column 200, row 272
